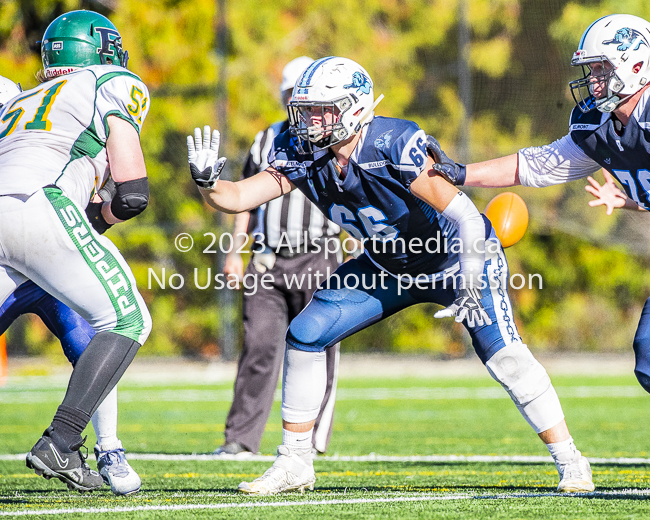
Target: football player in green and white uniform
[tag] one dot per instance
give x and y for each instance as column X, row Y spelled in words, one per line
column 74, row 333
column 56, row 142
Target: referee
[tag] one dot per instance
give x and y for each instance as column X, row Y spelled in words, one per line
column 287, row 233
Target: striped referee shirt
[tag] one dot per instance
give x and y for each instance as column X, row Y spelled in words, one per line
column 291, row 218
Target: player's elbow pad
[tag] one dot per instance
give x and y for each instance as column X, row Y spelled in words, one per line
column 131, row 198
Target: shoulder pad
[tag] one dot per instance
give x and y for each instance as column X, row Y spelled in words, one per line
column 581, row 122
column 386, row 137
column 283, row 153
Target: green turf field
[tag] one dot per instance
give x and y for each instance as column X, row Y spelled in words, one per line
column 402, row 422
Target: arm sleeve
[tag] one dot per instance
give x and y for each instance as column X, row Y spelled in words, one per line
column 556, row 163
column 462, row 213
column 124, row 95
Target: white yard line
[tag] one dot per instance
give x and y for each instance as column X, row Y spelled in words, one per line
column 331, row 502
column 31, row 396
column 198, row 457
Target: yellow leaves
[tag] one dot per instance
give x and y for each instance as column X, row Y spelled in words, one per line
column 573, row 22
column 491, row 139
column 493, row 57
column 168, row 44
column 489, row 16
column 575, row 18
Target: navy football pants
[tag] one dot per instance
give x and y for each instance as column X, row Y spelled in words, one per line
column 642, row 348
column 72, row 330
column 338, row 309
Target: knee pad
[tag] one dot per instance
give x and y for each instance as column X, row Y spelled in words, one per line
column 323, row 322
column 519, row 373
column 528, row 385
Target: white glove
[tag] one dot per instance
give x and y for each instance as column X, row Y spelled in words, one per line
column 203, row 156
column 467, row 305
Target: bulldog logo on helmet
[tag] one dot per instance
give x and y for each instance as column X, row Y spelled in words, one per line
column 360, row 82
column 626, row 38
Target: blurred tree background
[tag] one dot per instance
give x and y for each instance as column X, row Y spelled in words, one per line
column 219, row 62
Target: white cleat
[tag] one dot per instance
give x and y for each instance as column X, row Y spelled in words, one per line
column 116, row 471
column 291, row 471
column 575, row 477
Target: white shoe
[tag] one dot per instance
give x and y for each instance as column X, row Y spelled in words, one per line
column 291, row 471
column 575, row 476
column 116, row 471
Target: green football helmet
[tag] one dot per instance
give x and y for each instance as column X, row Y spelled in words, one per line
column 79, row 39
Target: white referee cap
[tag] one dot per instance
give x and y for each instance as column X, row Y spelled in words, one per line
column 292, row 72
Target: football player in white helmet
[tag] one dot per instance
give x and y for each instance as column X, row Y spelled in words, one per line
column 372, row 176
column 327, row 108
column 614, row 53
column 609, row 129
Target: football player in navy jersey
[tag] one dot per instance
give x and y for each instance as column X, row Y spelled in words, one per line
column 425, row 241
column 609, row 129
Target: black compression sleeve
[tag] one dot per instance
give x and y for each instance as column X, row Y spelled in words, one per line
column 95, row 217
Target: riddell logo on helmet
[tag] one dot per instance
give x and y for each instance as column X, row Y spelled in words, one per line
column 53, row 72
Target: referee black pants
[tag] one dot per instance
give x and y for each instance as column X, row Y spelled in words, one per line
column 267, row 314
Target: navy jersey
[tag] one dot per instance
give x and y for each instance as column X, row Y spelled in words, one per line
column 373, row 203
column 626, row 156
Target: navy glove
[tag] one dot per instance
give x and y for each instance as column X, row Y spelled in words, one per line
column 450, row 170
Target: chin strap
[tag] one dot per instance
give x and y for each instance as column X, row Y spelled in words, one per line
column 610, row 104
column 369, row 113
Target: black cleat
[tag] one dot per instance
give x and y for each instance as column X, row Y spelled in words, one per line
column 49, row 459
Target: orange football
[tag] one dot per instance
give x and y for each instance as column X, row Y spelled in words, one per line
column 509, row 216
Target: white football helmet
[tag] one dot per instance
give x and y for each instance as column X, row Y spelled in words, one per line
column 617, row 46
column 8, row 90
column 336, row 88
